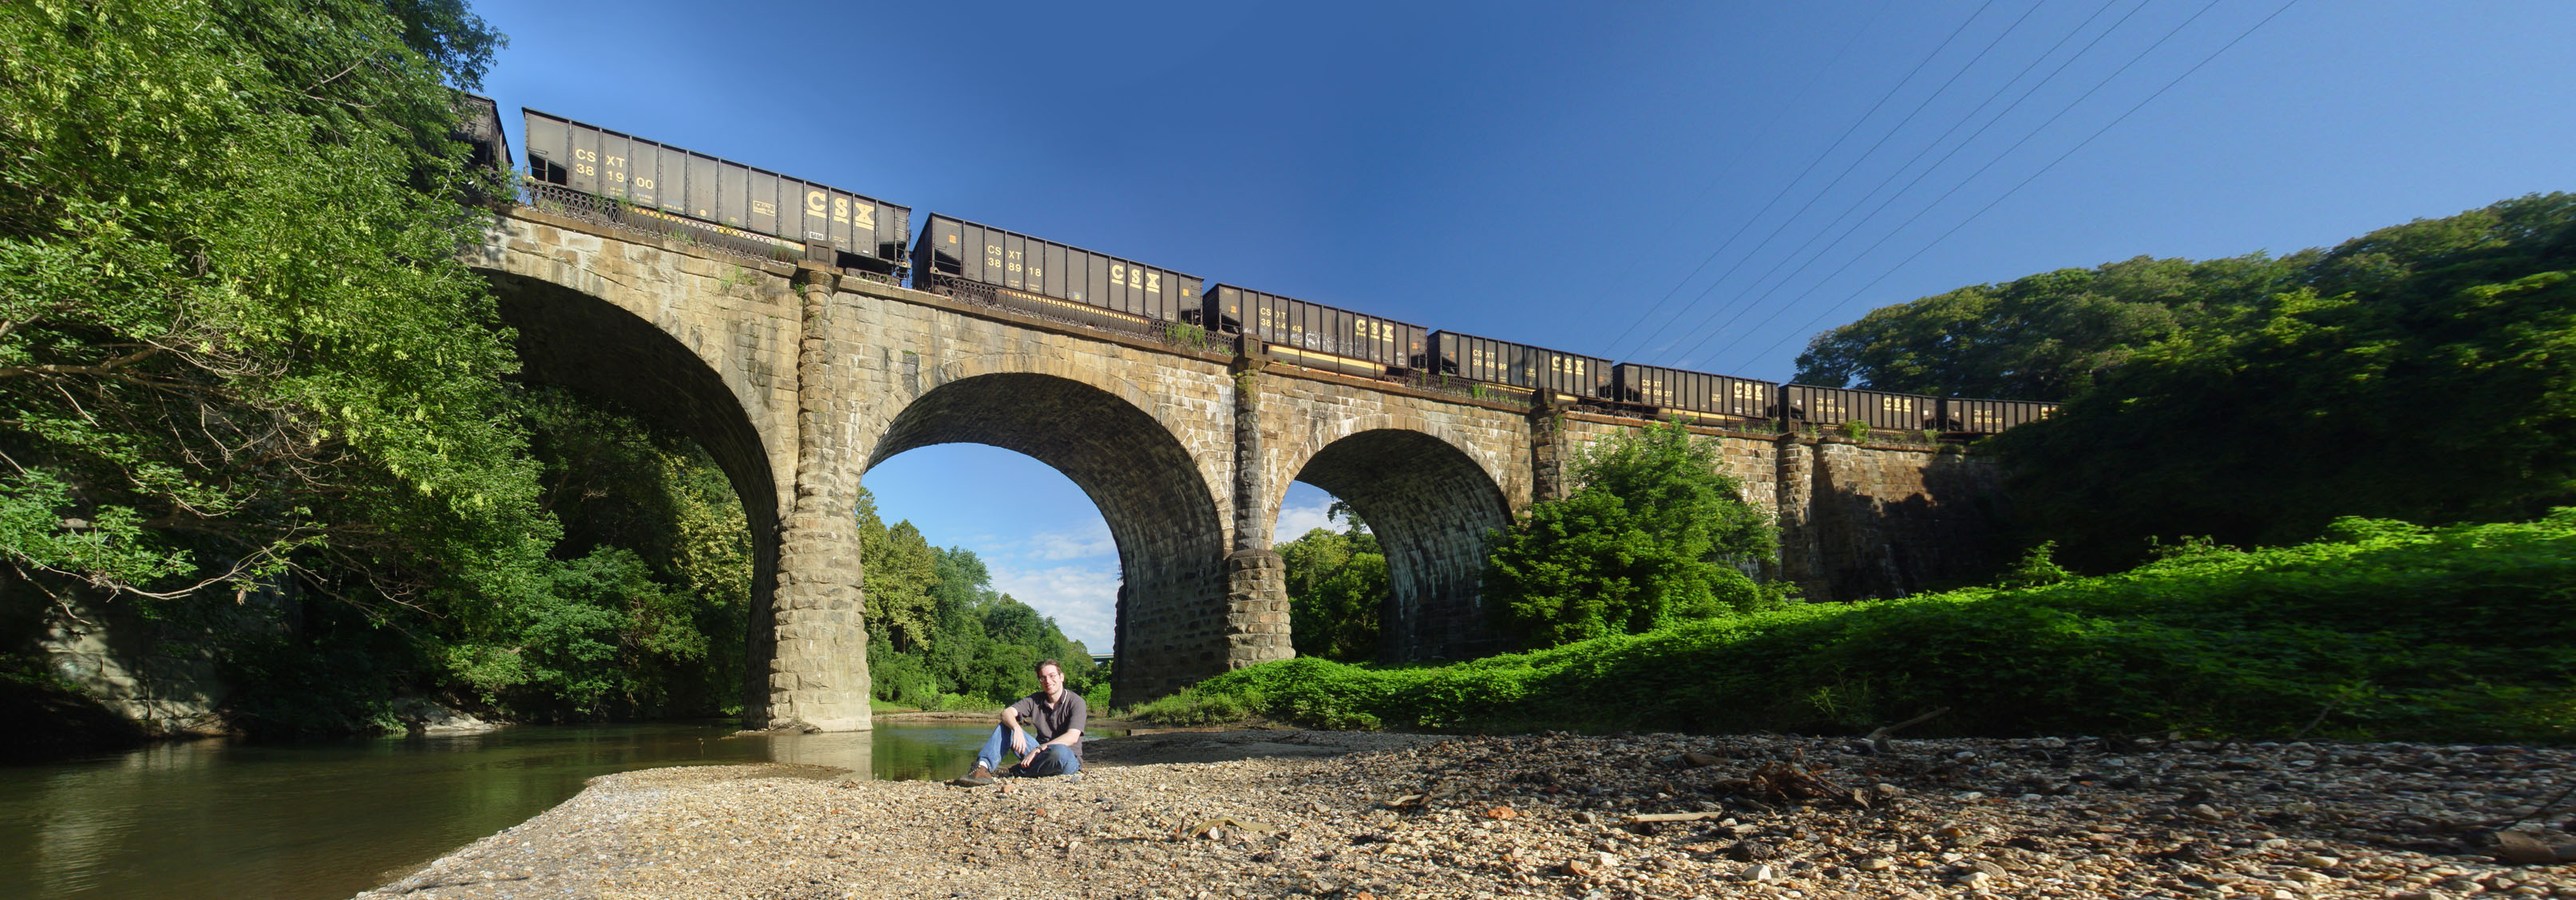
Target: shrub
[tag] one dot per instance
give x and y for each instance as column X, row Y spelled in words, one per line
column 1645, row 541
column 2383, row 630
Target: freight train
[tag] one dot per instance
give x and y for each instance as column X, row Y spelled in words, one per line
column 658, row 186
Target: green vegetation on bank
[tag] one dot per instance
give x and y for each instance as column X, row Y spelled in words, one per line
column 1337, row 583
column 940, row 637
column 2380, row 630
column 2424, row 372
column 1647, row 539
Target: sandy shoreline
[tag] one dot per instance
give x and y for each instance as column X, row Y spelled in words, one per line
column 1344, row 815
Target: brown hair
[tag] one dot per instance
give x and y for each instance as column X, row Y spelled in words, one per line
column 1043, row 663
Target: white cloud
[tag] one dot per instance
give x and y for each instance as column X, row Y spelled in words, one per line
column 1295, row 520
column 1082, row 599
column 1093, row 541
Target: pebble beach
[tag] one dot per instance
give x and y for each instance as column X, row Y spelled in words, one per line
column 1368, row 816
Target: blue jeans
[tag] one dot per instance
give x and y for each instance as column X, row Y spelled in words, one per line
column 1042, row 760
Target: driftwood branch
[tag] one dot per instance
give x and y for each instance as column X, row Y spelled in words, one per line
column 1878, row 737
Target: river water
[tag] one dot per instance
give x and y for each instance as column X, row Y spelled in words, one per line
column 220, row 819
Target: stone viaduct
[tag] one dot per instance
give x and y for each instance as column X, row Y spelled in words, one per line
column 798, row 377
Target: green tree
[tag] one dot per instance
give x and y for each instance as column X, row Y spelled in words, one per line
column 645, row 601
column 2459, row 409
column 900, row 571
column 235, row 333
column 2044, row 337
column 940, row 635
column 1337, row 588
column 1650, row 536
column 2419, row 372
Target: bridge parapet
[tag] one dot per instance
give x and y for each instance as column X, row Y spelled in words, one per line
column 799, row 378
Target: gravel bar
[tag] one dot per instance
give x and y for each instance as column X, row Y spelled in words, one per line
column 1376, row 816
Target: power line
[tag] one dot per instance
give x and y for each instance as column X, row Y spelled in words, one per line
column 1963, row 183
column 1750, row 302
column 1820, row 158
column 1733, row 160
column 1846, row 301
column 1863, row 157
column 1702, row 327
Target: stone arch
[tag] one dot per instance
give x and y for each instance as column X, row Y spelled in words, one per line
column 1150, row 489
column 1430, row 501
column 582, row 341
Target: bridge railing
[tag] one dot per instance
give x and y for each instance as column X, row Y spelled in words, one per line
column 624, row 216
column 1177, row 335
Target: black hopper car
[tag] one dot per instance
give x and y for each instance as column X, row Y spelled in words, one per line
column 1313, row 335
column 962, row 259
column 647, row 180
column 612, row 176
column 1519, row 369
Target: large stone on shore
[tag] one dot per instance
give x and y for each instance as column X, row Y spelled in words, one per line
column 423, row 716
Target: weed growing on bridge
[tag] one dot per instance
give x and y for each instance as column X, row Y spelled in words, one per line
column 2380, row 630
column 1856, row 430
column 1187, row 336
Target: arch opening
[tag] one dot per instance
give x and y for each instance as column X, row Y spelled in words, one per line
column 1430, row 506
column 1334, row 573
column 1162, row 516
column 594, row 347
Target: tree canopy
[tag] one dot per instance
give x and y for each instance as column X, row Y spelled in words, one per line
column 939, row 634
column 1337, row 589
column 1651, row 535
column 234, row 340
column 2424, row 372
column 2042, row 337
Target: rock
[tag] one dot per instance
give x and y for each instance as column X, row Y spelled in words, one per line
column 2314, row 861
column 1758, row 873
column 1697, row 760
column 2207, row 813
column 2523, row 849
column 1875, row 864
column 1585, row 818
column 422, row 716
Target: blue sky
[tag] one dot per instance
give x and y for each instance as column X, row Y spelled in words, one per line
column 1697, row 185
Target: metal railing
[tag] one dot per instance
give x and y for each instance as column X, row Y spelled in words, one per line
column 619, row 214
column 1177, row 335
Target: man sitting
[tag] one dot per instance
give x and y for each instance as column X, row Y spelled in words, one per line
column 1056, row 717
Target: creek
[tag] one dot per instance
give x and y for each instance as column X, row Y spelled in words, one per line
column 314, row 820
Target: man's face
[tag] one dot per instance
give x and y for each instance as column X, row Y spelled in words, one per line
column 1052, row 679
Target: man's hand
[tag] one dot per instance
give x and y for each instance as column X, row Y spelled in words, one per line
column 1019, row 737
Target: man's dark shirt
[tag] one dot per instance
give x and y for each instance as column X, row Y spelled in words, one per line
column 1069, row 714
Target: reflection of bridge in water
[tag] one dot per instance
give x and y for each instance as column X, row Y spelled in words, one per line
column 797, row 377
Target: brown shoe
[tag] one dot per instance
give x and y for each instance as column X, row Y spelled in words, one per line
column 983, row 775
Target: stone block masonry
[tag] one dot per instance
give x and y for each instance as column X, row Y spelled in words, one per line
column 798, row 379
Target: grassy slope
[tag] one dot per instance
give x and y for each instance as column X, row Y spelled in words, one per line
column 2383, row 630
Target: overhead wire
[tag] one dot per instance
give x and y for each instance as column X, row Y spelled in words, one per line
column 2034, row 176
column 1864, row 156
column 1960, row 185
column 1737, row 158
column 1754, row 302
column 1747, row 300
column 1837, row 144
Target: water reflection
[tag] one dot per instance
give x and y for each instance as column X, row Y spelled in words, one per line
column 235, row 819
